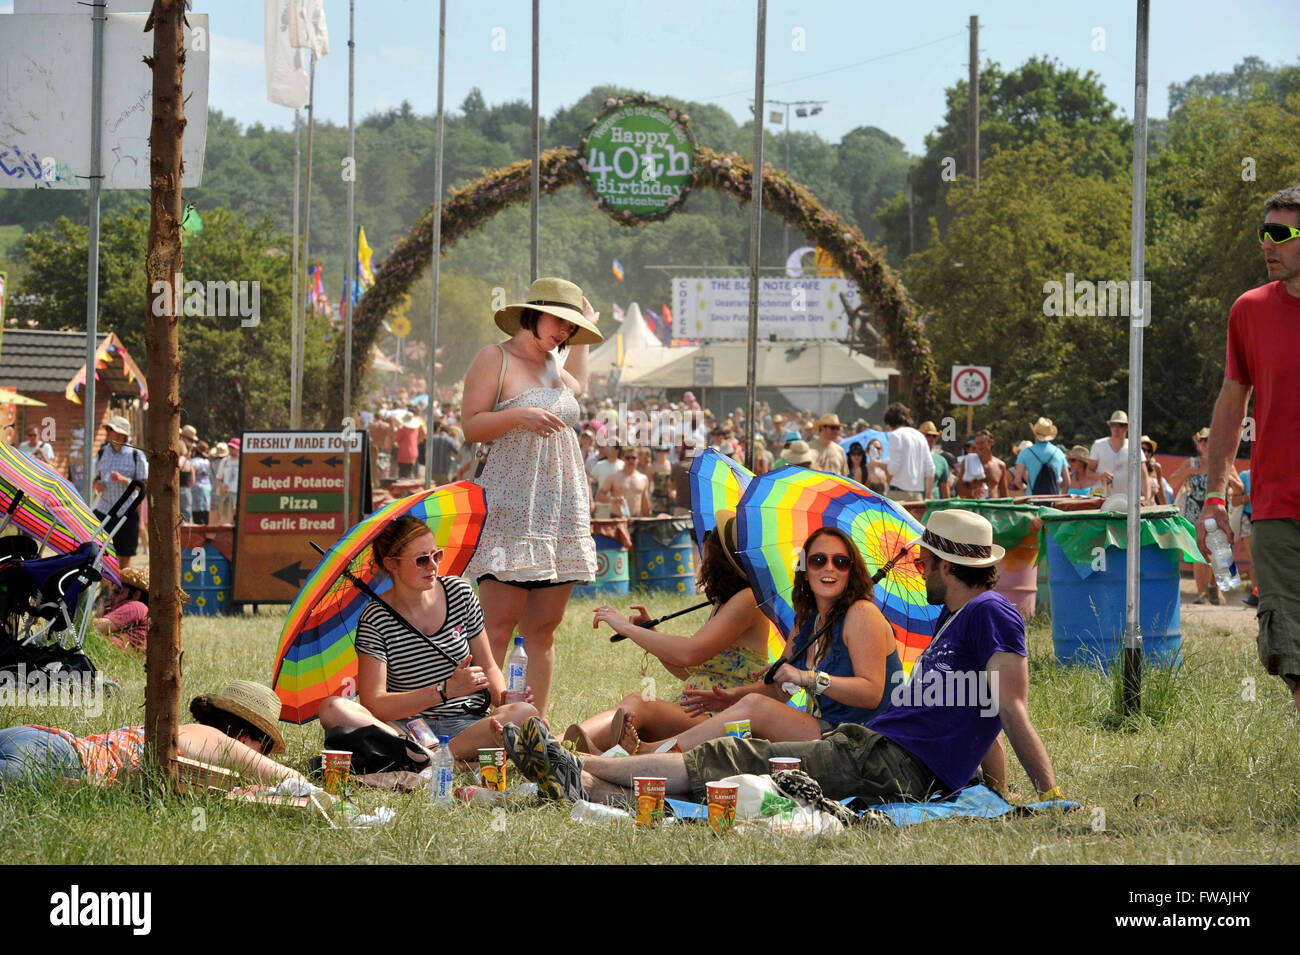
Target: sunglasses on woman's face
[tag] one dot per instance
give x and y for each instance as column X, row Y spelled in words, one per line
column 424, row 560
column 841, row 561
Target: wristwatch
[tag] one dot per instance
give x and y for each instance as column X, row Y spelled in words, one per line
column 442, row 691
column 820, row 683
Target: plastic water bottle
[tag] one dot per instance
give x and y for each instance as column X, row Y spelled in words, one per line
column 597, row 814
column 1225, row 568
column 444, row 771
column 516, row 672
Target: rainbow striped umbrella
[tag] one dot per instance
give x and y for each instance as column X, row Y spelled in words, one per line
column 716, row 484
column 317, row 658
column 778, row 512
column 43, row 505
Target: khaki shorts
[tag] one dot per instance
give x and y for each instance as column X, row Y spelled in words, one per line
column 1275, row 551
column 894, row 494
column 850, row 760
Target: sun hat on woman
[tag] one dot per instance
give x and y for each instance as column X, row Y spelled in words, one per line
column 557, row 297
column 254, row 703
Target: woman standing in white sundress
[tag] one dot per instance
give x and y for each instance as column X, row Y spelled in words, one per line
column 536, row 542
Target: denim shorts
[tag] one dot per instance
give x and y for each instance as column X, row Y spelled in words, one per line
column 449, row 726
column 31, row 755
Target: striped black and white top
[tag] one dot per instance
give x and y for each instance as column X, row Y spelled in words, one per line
column 412, row 663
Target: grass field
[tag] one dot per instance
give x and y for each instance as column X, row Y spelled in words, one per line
column 1221, row 764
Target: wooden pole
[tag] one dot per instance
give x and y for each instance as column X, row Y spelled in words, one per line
column 164, row 263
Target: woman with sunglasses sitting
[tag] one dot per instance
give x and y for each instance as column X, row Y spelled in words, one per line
column 842, row 654
column 730, row 650
column 422, row 652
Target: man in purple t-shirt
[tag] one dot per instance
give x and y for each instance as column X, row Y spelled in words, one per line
column 970, row 684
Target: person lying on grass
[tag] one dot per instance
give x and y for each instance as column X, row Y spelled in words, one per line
column 925, row 744
column 842, row 654
column 235, row 729
column 422, row 652
column 730, row 650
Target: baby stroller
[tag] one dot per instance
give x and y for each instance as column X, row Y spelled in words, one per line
column 46, row 603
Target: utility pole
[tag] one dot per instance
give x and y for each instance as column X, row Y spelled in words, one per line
column 973, row 111
column 1132, row 676
column 911, row 223
column 802, row 108
column 306, row 224
column 436, row 257
column 535, row 183
column 755, row 225
column 164, row 263
column 98, row 15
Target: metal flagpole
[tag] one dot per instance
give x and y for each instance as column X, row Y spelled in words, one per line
column 437, row 241
column 295, row 400
column 537, row 145
column 1139, row 316
column 98, row 15
column 350, row 272
column 306, row 218
column 755, row 223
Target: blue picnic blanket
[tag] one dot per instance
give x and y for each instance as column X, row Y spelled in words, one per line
column 978, row 802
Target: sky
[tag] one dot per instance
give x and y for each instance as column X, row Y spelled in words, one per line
column 883, row 64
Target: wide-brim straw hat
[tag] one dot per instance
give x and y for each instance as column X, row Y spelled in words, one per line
column 960, row 537
column 252, row 702
column 138, row 577
column 1043, row 429
column 190, row 433
column 928, row 427
column 1078, row 453
column 120, row 425
column 557, row 297
column 830, row 420
column 1151, row 441
column 1203, row 433
column 730, row 536
column 1119, row 417
column 220, row 451
column 798, row 453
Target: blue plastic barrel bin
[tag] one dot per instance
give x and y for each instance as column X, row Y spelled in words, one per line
column 611, row 569
column 1089, row 612
column 207, row 578
column 662, row 555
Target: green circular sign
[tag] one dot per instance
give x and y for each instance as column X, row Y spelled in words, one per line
column 639, row 159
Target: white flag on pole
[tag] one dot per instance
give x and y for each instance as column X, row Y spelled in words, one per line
column 307, row 27
column 286, row 74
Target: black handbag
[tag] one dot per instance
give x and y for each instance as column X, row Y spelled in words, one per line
column 374, row 750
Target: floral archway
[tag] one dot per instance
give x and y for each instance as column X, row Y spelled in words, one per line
column 470, row 208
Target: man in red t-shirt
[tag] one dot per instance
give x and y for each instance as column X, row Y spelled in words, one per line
column 1264, row 355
